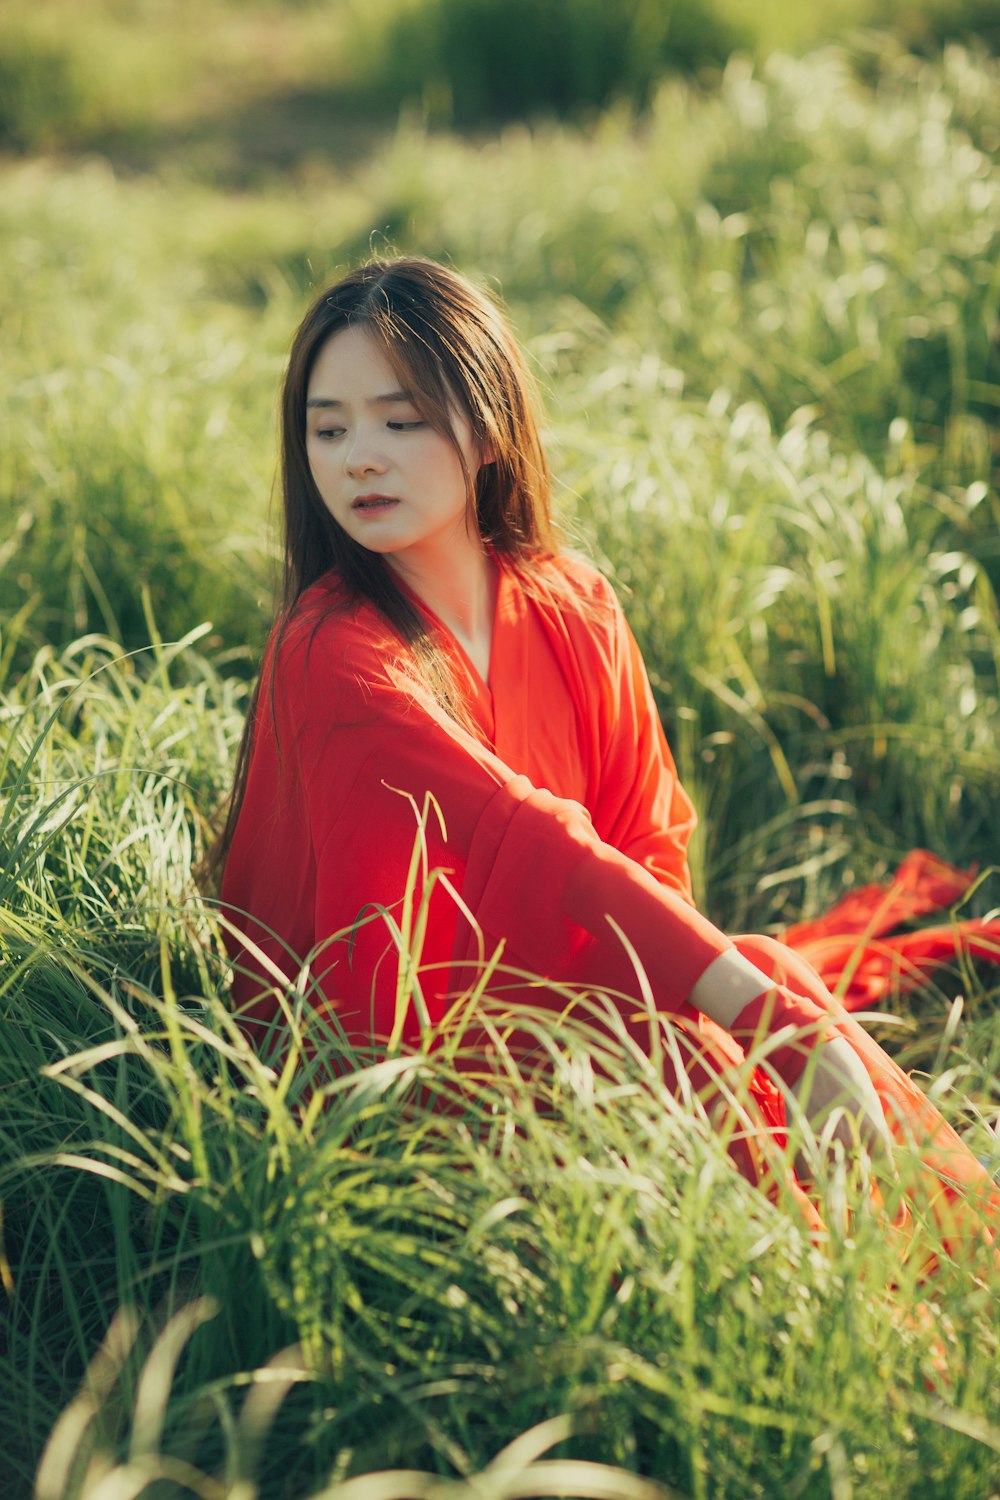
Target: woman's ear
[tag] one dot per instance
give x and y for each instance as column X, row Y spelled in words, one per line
column 487, row 453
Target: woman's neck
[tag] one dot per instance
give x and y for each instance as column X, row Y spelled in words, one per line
column 458, row 583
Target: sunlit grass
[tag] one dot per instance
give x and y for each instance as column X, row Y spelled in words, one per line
column 132, row 71
column 450, row 1279
column 158, row 76
column 771, row 353
column 422, row 1259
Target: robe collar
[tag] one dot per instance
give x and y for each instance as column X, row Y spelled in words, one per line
column 498, row 708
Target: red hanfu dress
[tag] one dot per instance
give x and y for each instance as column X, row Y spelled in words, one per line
column 562, row 811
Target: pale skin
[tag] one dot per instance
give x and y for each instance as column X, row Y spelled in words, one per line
column 397, row 486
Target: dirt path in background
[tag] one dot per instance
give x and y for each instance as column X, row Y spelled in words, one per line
column 275, row 134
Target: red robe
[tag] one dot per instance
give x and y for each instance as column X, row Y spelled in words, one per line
column 566, row 808
column 562, row 811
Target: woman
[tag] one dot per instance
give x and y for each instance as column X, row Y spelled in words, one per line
column 435, row 653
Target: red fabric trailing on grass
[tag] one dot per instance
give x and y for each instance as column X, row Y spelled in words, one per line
column 857, row 956
column 856, row 953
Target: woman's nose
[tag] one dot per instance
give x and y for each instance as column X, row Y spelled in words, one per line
column 363, row 455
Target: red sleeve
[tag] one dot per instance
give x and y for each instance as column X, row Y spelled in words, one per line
column 641, row 806
column 363, row 747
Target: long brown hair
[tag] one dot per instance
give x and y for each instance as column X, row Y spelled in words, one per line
column 448, row 342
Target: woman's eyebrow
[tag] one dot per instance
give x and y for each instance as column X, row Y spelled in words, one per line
column 387, row 400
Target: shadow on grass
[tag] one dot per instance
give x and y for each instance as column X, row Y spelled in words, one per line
column 236, row 147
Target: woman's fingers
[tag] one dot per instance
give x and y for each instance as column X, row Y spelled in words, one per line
column 839, row 1102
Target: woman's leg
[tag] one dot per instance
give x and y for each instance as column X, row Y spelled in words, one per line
column 955, row 1188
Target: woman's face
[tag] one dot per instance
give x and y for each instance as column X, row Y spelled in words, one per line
column 388, row 478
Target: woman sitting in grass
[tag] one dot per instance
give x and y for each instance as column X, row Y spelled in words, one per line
column 441, row 668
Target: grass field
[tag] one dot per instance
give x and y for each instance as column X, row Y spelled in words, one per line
column 765, row 315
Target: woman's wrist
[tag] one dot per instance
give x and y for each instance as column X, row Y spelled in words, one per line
column 777, row 1010
column 737, row 995
column 727, row 987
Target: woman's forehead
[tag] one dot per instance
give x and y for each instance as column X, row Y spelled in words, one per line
column 351, row 354
column 357, row 363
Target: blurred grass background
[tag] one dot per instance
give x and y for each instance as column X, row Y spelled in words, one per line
column 154, row 75
column 753, row 254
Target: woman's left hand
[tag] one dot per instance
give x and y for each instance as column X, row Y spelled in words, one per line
column 839, row 1102
column 827, row 1079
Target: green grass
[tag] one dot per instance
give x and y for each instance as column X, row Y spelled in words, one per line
column 427, row 1267
column 135, row 69
column 776, row 348
column 181, row 78
column 765, row 320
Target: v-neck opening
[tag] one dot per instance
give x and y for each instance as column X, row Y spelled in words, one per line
column 483, row 685
column 500, row 708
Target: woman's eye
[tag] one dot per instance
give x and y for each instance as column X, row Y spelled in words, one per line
column 329, row 432
column 405, row 426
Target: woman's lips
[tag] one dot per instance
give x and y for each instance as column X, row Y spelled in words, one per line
column 373, row 503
